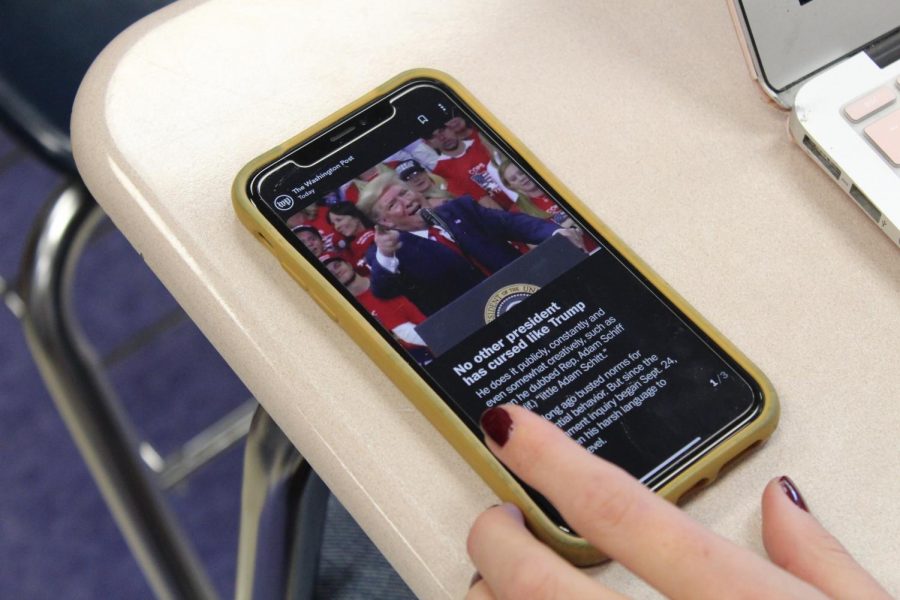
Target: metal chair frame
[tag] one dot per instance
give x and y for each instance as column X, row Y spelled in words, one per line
column 130, row 473
column 283, row 502
column 86, row 402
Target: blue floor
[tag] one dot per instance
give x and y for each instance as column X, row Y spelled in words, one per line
column 56, row 537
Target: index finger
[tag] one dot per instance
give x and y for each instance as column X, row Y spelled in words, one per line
column 624, row 519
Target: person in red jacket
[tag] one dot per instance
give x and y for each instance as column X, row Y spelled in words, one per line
column 311, row 238
column 532, row 200
column 465, row 165
column 398, row 315
column 316, row 216
column 357, row 230
column 459, row 126
column 432, row 186
column 530, row 197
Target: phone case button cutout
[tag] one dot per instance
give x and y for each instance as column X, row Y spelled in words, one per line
column 293, row 275
column 324, row 307
column 322, row 304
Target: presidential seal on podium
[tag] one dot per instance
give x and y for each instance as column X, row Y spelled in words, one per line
column 505, row 298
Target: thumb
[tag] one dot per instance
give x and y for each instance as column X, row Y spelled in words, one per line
column 798, row 543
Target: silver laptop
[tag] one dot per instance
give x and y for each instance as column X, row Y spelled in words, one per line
column 836, row 65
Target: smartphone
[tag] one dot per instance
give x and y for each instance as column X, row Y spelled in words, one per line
column 473, row 277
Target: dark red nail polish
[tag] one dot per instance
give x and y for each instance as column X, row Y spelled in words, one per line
column 497, row 424
column 475, row 579
column 788, row 487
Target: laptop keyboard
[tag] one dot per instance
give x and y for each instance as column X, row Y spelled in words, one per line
column 878, row 114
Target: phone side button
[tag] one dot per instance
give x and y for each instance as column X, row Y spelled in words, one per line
column 293, row 275
column 301, row 283
column 324, row 307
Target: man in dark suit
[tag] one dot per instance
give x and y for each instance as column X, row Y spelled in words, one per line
column 432, row 256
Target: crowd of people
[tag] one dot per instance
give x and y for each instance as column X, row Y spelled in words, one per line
column 412, row 233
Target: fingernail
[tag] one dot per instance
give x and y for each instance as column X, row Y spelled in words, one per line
column 788, row 487
column 497, row 424
column 513, row 511
column 475, row 579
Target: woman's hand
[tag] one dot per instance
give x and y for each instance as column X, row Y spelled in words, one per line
column 651, row 537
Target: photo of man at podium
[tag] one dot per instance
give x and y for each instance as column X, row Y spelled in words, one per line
column 433, row 256
column 449, row 260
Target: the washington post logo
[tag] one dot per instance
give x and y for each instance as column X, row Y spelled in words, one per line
column 284, row 202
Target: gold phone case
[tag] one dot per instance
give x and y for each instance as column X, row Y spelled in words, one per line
column 573, row 548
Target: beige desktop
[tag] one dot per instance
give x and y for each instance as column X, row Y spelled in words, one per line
column 643, row 109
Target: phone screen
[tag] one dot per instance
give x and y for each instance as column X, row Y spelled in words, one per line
column 486, row 280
